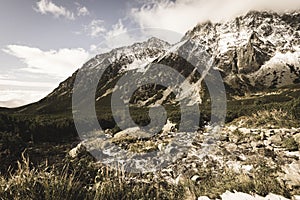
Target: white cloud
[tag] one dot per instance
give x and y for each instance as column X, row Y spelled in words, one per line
column 46, row 6
column 117, row 36
column 82, row 11
column 59, row 63
column 14, row 98
column 24, row 83
column 15, row 93
column 95, row 28
column 117, row 29
column 93, row 48
column 182, row 15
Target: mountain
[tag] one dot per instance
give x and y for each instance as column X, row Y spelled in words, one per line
column 257, row 55
column 119, row 61
column 256, row 51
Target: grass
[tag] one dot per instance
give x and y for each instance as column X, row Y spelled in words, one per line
column 238, row 136
column 70, row 182
column 83, row 179
column 46, row 183
column 276, row 118
column 262, row 181
column 290, row 144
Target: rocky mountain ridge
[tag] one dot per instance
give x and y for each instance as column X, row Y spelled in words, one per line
column 254, row 52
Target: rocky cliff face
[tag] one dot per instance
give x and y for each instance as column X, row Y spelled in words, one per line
column 257, row 51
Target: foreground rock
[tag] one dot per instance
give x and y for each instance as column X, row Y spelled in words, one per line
column 242, row 196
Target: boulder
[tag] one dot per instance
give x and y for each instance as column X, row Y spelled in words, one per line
column 131, row 133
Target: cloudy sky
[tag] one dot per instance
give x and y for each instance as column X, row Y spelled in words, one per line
column 44, row 41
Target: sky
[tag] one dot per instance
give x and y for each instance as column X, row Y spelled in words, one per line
column 42, row 42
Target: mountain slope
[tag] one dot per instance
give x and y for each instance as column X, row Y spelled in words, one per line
column 257, row 54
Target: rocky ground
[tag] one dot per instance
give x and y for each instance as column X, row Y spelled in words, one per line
column 259, row 160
